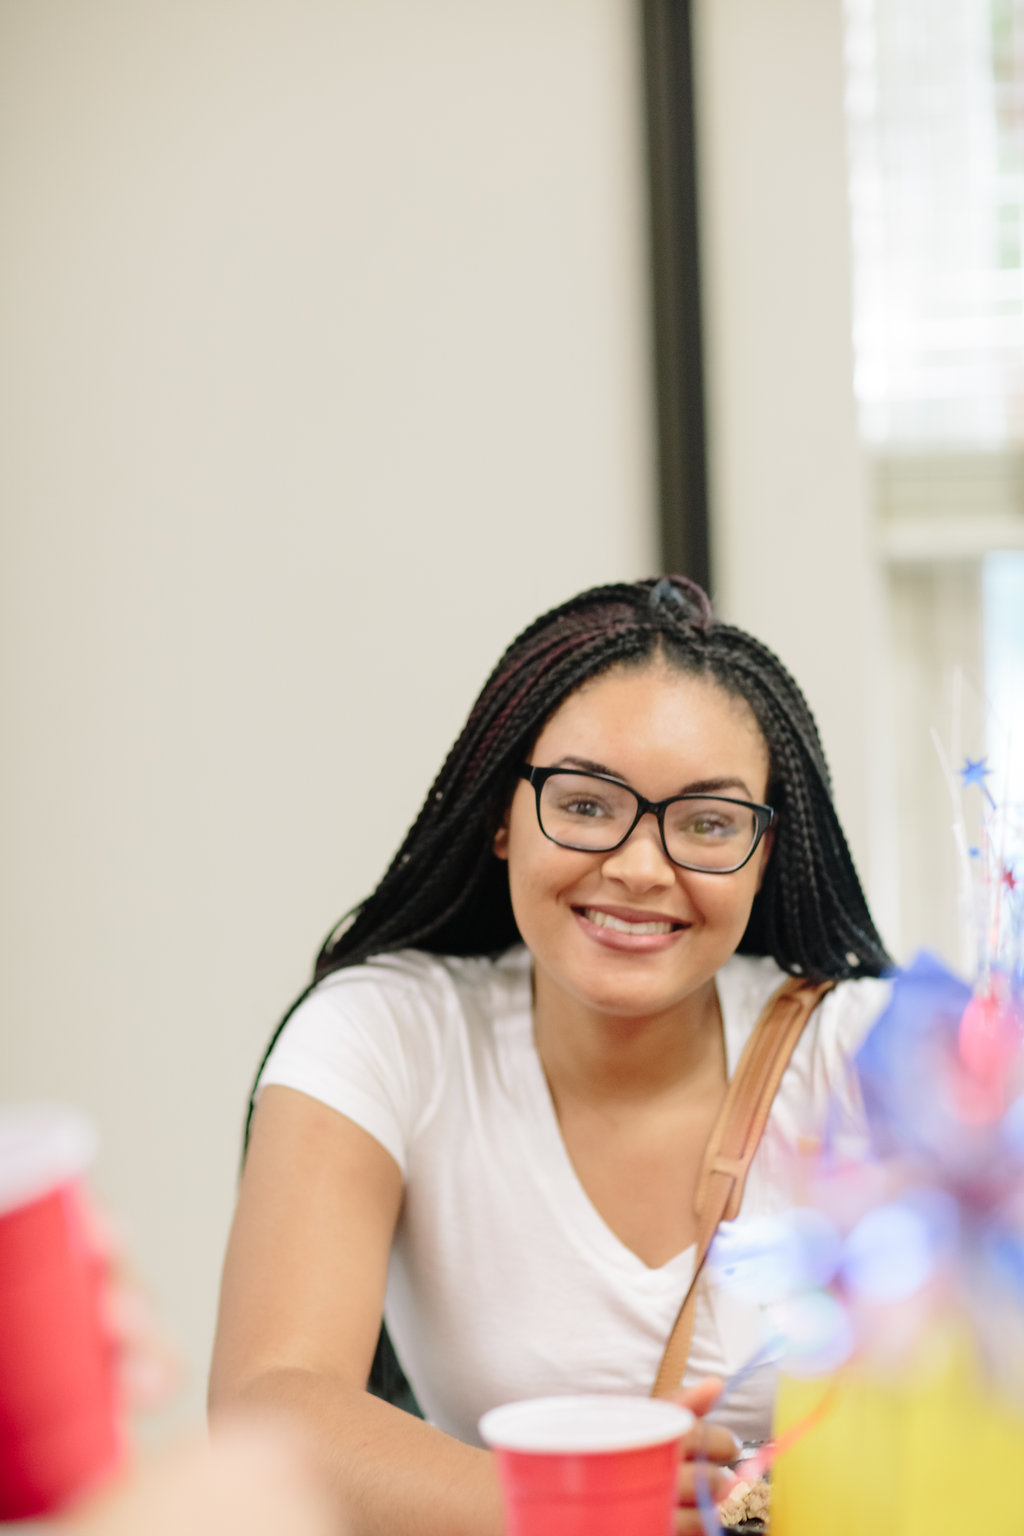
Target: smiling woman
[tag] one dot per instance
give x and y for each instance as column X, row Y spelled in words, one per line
column 486, row 1119
column 633, row 928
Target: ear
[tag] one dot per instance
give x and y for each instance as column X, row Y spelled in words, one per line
column 500, row 844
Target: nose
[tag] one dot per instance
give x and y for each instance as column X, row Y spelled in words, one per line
column 641, row 861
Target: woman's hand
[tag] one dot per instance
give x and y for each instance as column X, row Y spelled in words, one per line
column 708, row 1443
column 256, row 1479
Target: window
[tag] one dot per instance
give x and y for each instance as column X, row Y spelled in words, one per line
column 935, row 105
column 1003, row 608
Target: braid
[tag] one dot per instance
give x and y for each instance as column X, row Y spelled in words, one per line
column 445, row 859
column 810, row 914
column 444, row 890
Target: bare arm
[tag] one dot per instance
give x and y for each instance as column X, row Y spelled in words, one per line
column 300, row 1310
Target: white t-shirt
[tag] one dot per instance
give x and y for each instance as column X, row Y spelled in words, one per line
column 504, row 1282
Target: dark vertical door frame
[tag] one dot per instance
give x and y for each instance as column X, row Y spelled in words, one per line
column 675, row 262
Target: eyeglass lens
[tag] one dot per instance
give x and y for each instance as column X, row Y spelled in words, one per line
column 593, row 814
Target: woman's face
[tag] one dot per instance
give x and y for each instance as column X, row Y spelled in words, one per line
column 586, row 916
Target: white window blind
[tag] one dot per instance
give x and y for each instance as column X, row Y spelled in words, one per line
column 1003, row 607
column 936, row 124
column 935, row 109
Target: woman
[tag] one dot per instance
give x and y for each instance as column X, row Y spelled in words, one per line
column 492, row 1105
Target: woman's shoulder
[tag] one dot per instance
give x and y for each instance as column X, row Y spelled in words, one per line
column 820, row 1084
column 746, row 983
column 416, row 974
column 416, row 1000
column 380, row 1041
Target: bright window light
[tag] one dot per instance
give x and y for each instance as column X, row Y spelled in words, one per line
column 1003, row 606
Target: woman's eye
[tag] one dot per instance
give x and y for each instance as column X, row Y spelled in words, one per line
column 707, row 826
column 582, row 807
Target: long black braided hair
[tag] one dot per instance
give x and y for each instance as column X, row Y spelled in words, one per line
column 445, row 891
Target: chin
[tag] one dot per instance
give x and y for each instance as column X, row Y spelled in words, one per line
column 627, row 1002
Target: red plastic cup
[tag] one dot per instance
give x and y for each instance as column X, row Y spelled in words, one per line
column 59, row 1430
column 593, row 1465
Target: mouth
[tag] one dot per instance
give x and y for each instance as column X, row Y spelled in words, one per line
column 620, row 927
column 634, row 925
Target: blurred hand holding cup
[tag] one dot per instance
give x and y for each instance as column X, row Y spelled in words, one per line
column 59, row 1426
column 256, row 1478
column 591, row 1465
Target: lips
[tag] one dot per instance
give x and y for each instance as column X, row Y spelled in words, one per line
column 629, row 931
column 627, row 925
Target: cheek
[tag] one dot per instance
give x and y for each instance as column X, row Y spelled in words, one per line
column 751, row 886
column 531, row 897
column 725, row 901
column 541, row 876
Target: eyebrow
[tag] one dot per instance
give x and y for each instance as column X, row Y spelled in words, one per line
column 697, row 787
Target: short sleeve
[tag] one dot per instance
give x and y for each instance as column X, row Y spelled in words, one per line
column 846, row 1016
column 819, row 1094
column 367, row 1041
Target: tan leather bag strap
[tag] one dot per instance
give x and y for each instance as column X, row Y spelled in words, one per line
column 733, row 1142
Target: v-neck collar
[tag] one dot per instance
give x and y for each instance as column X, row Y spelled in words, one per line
column 543, row 1143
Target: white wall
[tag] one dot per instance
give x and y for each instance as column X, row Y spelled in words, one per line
column 323, row 369
column 793, row 548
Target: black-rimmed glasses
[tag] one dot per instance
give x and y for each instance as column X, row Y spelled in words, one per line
column 594, row 813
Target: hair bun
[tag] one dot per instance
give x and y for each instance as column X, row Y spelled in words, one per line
column 687, row 601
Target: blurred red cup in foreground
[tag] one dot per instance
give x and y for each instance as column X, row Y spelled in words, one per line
column 592, row 1465
column 59, row 1432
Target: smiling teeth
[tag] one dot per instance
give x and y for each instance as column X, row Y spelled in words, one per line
column 605, row 920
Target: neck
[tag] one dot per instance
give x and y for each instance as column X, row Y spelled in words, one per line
column 608, row 1058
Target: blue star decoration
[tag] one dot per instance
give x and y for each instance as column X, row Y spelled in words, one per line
column 976, row 772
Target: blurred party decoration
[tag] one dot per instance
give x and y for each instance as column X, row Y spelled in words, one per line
column 896, row 1289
